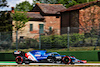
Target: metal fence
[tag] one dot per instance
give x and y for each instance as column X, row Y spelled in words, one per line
column 70, row 37
column 73, row 37
column 5, row 40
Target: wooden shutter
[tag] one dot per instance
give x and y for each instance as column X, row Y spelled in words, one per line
column 41, row 26
column 31, row 27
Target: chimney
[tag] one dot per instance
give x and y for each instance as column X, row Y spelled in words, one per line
column 12, row 9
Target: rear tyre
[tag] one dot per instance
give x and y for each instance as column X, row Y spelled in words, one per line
column 66, row 59
column 19, row 60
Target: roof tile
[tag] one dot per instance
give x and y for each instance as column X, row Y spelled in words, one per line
column 51, row 8
column 35, row 15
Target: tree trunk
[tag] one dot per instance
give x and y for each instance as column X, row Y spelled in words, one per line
column 17, row 40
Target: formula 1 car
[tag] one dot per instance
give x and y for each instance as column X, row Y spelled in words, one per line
column 42, row 55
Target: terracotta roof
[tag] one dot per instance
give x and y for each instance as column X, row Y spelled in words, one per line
column 50, row 8
column 77, row 7
column 35, row 15
column 31, row 15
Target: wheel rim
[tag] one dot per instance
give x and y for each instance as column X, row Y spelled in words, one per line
column 66, row 60
column 19, row 60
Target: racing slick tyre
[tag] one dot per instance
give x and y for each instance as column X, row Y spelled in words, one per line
column 66, row 59
column 19, row 60
column 51, row 59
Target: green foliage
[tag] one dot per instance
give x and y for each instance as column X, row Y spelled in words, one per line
column 68, row 3
column 5, row 18
column 71, row 3
column 76, row 39
column 20, row 19
column 60, row 41
column 3, row 3
column 84, row 1
column 5, row 21
column 24, row 6
column 45, row 1
column 27, row 43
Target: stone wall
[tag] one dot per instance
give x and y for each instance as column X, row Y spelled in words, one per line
column 89, row 18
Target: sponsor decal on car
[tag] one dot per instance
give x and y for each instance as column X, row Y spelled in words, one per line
column 37, row 54
column 17, row 52
column 30, row 56
column 58, row 57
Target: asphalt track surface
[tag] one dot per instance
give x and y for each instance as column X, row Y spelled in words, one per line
column 14, row 64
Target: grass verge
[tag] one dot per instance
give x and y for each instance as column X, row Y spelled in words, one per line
column 91, row 48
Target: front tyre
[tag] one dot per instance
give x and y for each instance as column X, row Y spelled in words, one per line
column 66, row 59
column 19, row 60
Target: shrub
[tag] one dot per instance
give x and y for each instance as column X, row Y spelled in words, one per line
column 53, row 41
column 26, row 43
column 60, row 41
column 76, row 39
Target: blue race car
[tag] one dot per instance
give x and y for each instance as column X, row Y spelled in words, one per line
column 43, row 56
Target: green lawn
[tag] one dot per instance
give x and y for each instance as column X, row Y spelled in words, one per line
column 93, row 62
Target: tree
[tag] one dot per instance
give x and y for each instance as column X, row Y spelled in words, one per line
column 66, row 3
column 5, row 18
column 84, row 1
column 5, row 21
column 3, row 3
column 20, row 19
column 69, row 3
column 24, row 6
column 5, row 26
column 45, row 1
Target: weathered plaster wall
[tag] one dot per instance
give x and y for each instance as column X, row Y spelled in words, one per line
column 25, row 31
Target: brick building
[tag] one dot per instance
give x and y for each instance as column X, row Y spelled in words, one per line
column 81, row 18
column 51, row 14
column 43, row 16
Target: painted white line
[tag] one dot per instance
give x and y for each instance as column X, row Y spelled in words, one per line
column 31, row 64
